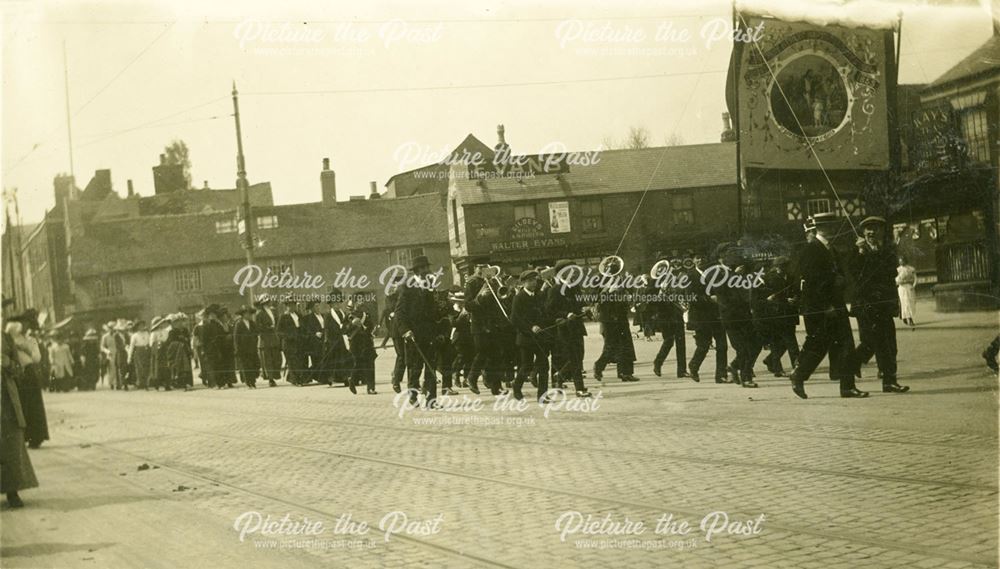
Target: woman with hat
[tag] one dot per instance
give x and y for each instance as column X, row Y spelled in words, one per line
column 29, row 388
column 139, row 354
column 245, row 347
column 90, row 364
column 16, row 472
column 61, row 364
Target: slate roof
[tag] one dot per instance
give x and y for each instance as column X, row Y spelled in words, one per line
column 617, row 172
column 202, row 200
column 152, row 242
column 984, row 60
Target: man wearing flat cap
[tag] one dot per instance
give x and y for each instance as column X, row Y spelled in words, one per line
column 876, row 303
column 417, row 318
column 828, row 328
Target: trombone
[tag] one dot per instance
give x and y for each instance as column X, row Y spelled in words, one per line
column 492, row 272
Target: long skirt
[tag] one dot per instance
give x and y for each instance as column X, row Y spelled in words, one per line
column 16, row 472
column 140, row 361
column 907, row 301
column 37, row 426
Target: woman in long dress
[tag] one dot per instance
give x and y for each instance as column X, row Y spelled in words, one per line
column 16, row 472
column 906, row 282
column 29, row 386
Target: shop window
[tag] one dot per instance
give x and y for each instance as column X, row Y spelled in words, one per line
column 225, row 226
column 267, row 222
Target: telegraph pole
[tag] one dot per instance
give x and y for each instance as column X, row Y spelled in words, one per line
column 69, row 127
column 246, row 221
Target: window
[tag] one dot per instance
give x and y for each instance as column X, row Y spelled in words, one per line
column 187, row 279
column 405, row 256
column 821, row 205
column 225, row 226
column 523, row 211
column 267, row 222
column 682, row 209
column 592, row 215
column 975, row 133
column 277, row 266
column 108, row 287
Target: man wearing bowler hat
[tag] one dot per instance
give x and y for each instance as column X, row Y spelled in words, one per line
column 828, row 328
column 876, row 303
column 417, row 318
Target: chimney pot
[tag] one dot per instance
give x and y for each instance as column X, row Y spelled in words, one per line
column 326, row 164
column 131, row 189
column 372, row 187
column 163, row 159
column 206, row 184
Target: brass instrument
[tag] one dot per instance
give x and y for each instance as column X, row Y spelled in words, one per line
column 609, row 263
column 659, row 269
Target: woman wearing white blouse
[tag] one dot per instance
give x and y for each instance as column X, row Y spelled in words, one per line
column 906, row 282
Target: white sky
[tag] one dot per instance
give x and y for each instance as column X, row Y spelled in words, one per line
column 142, row 74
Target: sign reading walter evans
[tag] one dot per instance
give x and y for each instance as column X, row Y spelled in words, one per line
column 527, row 233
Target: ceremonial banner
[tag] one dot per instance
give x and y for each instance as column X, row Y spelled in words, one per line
column 801, row 84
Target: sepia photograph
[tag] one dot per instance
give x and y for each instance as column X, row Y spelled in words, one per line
column 516, row 284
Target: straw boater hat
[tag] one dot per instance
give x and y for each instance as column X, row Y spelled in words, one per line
column 872, row 220
column 815, row 220
column 90, row 335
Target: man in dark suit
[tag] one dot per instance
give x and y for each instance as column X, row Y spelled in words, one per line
column 666, row 316
column 290, row 333
column 567, row 312
column 245, row 347
column 315, row 339
column 704, row 321
column 828, row 329
column 534, row 337
column 417, row 318
column 268, row 344
column 485, row 323
column 876, row 302
column 388, row 322
column 737, row 320
column 213, row 335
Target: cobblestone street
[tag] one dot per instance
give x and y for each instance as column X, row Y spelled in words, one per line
column 160, row 479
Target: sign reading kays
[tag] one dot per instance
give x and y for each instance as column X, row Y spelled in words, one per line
column 802, row 85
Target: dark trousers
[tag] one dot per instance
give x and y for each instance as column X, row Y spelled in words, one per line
column 828, row 334
column 487, row 361
column 399, row 345
column 671, row 337
column 617, row 338
column 570, row 349
column 747, row 344
column 534, row 357
column 784, row 340
column 445, row 359
column 465, row 353
column 877, row 337
column 417, row 352
column 703, row 337
column 364, row 373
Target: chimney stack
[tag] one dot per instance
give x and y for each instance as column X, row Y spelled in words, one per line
column 205, row 187
column 728, row 134
column 131, row 189
column 502, row 148
column 163, row 159
column 328, row 184
column 372, row 190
